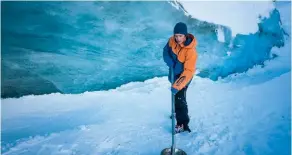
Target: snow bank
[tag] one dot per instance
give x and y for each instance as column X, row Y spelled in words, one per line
column 240, row 16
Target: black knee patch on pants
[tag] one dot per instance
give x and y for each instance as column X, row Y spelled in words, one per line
column 181, row 107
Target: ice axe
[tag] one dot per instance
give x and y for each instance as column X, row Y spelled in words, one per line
column 172, row 150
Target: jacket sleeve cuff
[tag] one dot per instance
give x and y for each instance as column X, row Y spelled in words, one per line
column 173, row 90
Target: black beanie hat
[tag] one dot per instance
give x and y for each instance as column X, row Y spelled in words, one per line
column 180, row 28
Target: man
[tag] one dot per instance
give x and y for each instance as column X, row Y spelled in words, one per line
column 180, row 56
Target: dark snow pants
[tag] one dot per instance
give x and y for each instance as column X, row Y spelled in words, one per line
column 181, row 107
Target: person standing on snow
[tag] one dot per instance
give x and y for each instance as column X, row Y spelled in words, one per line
column 180, row 55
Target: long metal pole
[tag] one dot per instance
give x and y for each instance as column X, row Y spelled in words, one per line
column 172, row 115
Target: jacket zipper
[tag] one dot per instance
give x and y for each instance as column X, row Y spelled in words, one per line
column 179, row 51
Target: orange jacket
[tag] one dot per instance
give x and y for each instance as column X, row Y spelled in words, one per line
column 182, row 59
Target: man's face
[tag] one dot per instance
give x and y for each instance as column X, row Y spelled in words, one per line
column 180, row 38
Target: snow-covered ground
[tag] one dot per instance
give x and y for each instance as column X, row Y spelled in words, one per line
column 134, row 119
